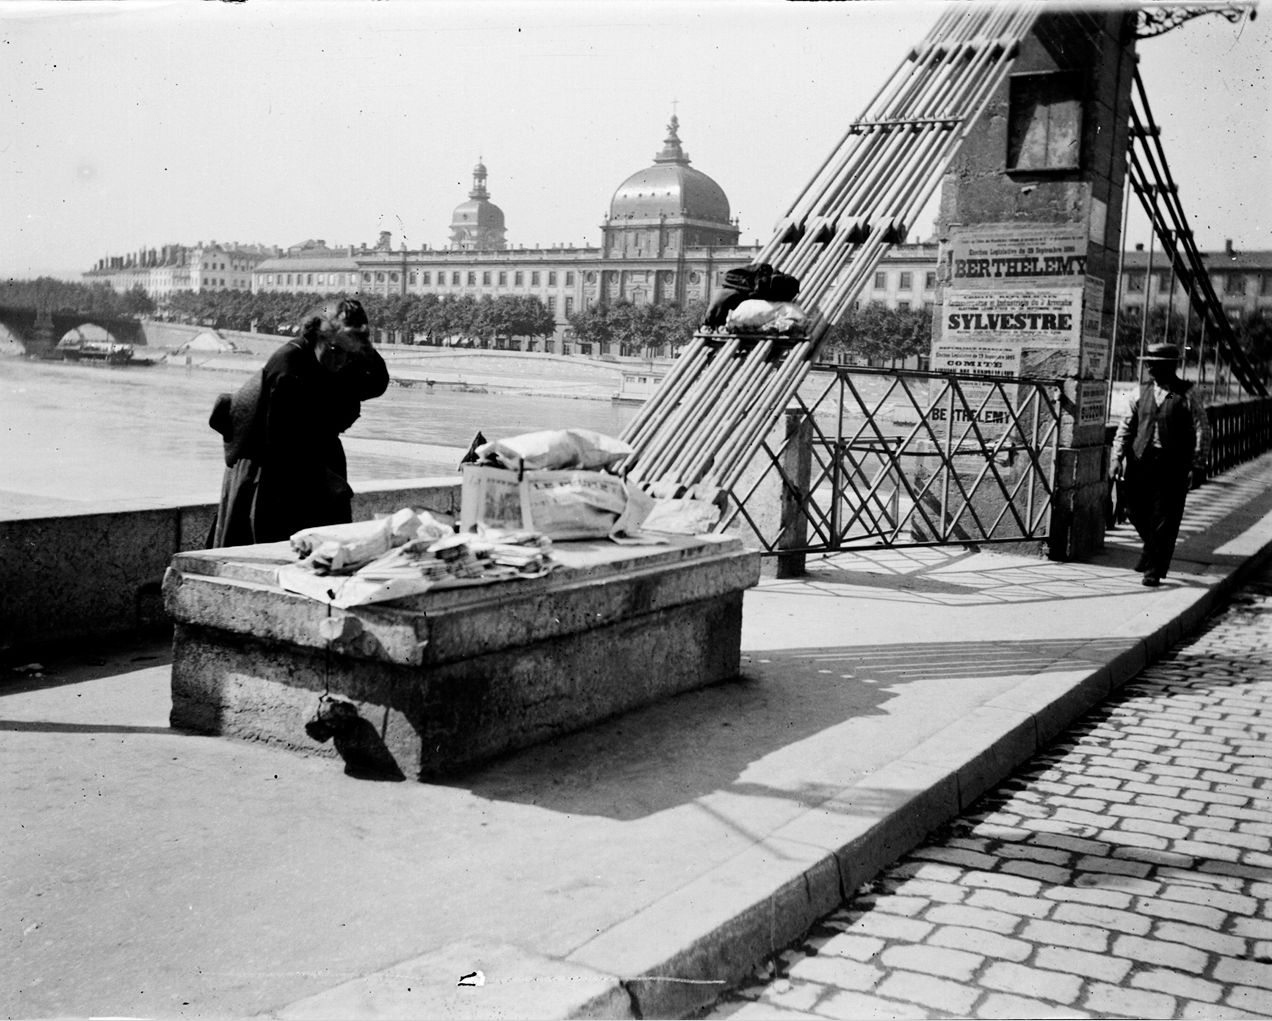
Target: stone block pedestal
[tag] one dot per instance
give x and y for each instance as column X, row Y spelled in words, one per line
column 447, row 679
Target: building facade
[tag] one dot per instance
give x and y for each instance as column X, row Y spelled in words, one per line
column 668, row 237
column 1242, row 281
column 162, row 272
column 312, row 268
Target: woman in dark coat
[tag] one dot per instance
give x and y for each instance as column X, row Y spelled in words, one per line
column 285, row 464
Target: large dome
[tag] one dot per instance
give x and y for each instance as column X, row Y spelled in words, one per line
column 670, row 188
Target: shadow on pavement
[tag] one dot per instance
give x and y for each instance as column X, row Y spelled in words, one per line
column 86, row 660
column 895, row 663
column 49, row 727
column 1013, row 580
column 365, row 755
column 675, row 752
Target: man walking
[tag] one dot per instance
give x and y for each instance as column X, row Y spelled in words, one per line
column 1167, row 432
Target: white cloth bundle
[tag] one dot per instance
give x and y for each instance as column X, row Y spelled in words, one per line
column 552, row 449
column 336, row 549
column 758, row 316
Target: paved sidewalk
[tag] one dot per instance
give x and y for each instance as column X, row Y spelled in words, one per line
column 1124, row 872
column 634, row 869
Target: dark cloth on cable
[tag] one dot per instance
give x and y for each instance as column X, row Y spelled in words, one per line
column 1158, row 473
column 285, row 464
column 723, row 301
column 761, row 281
column 751, row 280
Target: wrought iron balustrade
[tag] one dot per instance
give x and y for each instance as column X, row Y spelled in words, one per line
column 880, row 457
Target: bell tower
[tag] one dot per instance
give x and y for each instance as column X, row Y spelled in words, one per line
column 478, row 224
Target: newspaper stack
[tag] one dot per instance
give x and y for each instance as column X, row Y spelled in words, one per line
column 420, row 565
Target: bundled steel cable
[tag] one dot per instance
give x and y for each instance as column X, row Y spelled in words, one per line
column 703, row 425
column 1151, row 180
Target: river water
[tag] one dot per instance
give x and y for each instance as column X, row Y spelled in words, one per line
column 76, row 438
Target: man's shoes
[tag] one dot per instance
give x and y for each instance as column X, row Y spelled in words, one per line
column 1151, row 580
column 1141, row 565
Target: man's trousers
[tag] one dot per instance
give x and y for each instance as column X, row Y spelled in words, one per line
column 1156, row 491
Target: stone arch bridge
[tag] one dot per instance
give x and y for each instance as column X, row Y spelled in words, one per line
column 39, row 332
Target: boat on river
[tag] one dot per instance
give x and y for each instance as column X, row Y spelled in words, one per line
column 638, row 384
column 99, row 352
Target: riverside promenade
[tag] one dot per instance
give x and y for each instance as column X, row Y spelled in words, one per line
column 637, row 869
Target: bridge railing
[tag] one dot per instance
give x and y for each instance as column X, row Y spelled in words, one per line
column 1239, row 431
column 884, row 458
column 896, row 458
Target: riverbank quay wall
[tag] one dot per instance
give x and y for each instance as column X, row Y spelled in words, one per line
column 87, row 576
column 408, row 363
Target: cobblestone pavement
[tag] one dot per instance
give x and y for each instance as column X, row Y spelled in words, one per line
column 1127, row 872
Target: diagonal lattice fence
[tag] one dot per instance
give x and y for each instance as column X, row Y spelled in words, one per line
column 902, row 458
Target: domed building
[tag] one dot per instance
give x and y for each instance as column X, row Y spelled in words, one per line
column 670, row 236
column 478, row 224
column 666, row 208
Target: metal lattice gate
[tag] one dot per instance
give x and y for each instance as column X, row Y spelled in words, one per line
column 885, row 458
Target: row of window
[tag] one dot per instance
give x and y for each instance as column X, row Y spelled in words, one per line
column 416, row 278
column 351, row 280
column 312, row 279
column 901, row 306
column 905, row 281
column 488, row 278
column 1232, row 283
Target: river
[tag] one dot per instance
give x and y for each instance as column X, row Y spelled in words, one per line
column 76, row 438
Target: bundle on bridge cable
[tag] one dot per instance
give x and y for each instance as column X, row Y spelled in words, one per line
column 727, row 390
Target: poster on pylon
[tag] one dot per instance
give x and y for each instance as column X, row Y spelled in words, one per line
column 1016, row 302
column 1016, row 333
column 989, row 256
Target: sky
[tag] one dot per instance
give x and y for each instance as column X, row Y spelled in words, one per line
column 131, row 124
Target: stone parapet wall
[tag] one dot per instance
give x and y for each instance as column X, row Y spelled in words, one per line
column 81, row 576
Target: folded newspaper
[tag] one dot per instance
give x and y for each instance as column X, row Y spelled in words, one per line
column 561, row 504
column 417, row 566
column 405, row 555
